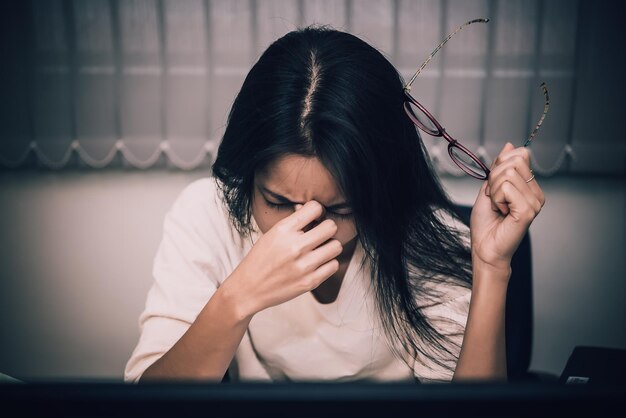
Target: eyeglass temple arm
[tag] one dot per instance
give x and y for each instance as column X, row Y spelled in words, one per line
column 546, row 106
column 407, row 87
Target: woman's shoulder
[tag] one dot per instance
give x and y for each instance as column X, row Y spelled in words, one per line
column 439, row 289
column 452, row 221
column 201, row 194
column 201, row 206
column 200, row 190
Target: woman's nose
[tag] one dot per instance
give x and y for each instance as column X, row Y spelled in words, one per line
column 313, row 224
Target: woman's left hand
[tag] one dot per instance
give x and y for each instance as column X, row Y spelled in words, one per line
column 505, row 207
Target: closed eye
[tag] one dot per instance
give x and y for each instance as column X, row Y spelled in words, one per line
column 289, row 206
column 278, row 206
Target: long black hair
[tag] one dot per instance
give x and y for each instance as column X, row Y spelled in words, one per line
column 322, row 93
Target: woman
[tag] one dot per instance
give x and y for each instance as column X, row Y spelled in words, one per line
column 324, row 248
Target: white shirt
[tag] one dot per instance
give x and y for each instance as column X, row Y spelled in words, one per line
column 299, row 340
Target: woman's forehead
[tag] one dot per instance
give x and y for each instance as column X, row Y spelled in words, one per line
column 299, row 178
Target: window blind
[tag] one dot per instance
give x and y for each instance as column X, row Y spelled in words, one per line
column 149, row 83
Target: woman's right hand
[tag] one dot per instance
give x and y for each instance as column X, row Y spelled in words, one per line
column 287, row 261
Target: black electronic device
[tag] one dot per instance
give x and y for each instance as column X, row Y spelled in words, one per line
column 319, row 400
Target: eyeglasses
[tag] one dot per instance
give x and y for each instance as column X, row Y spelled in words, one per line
column 462, row 157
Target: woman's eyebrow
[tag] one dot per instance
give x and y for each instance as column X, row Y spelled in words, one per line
column 283, row 199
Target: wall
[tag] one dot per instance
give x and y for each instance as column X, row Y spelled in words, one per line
column 77, row 248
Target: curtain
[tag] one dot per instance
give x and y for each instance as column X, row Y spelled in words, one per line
column 149, row 83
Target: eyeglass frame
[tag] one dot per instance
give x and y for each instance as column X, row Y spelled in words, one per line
column 441, row 132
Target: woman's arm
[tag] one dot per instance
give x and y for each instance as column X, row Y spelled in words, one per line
column 506, row 205
column 283, row 264
column 483, row 353
column 207, row 348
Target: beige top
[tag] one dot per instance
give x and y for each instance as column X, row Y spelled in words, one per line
column 300, row 340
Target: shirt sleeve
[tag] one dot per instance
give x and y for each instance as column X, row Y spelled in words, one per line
column 188, row 267
column 449, row 318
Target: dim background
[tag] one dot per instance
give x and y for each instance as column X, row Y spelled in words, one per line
column 109, row 108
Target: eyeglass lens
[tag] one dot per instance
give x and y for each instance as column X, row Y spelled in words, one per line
column 472, row 167
column 423, row 120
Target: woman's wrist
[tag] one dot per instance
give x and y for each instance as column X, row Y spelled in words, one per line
column 501, row 269
column 485, row 275
column 232, row 305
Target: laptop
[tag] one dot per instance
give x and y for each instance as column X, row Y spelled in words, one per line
column 595, row 365
column 600, row 369
column 310, row 400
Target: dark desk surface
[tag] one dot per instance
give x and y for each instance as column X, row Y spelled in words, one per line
column 320, row 400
